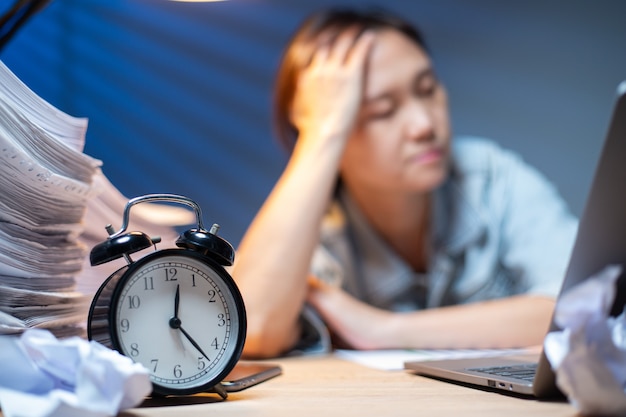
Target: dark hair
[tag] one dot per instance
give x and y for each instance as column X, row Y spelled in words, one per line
column 302, row 46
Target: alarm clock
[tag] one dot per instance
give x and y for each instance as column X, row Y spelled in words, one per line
column 176, row 311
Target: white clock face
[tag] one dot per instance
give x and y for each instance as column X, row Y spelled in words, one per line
column 177, row 317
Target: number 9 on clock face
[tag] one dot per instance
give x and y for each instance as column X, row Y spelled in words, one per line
column 181, row 316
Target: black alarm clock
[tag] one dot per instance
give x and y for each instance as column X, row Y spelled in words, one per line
column 176, row 311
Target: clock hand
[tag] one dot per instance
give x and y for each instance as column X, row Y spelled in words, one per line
column 175, row 323
column 193, row 342
column 176, row 301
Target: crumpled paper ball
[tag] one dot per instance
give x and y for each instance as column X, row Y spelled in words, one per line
column 46, row 377
column 589, row 354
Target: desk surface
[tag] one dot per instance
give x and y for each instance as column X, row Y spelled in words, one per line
column 328, row 386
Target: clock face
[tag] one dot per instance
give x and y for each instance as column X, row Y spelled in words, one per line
column 181, row 317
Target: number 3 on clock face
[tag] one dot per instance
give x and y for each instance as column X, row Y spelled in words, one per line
column 176, row 313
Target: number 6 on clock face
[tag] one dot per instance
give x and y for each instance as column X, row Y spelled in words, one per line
column 181, row 316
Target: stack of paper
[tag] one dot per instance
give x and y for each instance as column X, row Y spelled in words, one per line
column 46, row 183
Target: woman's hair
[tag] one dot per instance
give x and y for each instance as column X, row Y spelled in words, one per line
column 302, row 47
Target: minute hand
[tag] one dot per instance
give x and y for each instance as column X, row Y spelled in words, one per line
column 193, row 342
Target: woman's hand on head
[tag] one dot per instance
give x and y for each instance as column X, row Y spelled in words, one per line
column 329, row 91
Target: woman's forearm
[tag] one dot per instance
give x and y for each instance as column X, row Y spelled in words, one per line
column 504, row 323
column 518, row 321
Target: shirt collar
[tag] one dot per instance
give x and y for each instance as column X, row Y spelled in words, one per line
column 457, row 220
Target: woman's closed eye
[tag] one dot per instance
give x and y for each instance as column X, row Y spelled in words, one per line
column 380, row 110
column 426, row 85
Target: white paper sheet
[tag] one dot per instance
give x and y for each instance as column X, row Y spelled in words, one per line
column 393, row 359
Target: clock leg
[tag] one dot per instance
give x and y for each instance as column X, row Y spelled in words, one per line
column 219, row 390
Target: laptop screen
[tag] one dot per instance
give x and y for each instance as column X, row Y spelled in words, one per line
column 601, row 237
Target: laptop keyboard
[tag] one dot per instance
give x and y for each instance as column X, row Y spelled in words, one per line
column 525, row 371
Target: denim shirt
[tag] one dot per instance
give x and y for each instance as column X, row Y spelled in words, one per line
column 500, row 229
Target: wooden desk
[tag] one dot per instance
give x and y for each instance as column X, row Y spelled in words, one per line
column 328, row 386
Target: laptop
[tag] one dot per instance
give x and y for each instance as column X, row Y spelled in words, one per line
column 600, row 241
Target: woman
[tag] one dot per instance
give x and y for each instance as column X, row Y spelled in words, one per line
column 380, row 226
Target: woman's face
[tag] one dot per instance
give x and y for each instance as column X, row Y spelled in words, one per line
column 402, row 135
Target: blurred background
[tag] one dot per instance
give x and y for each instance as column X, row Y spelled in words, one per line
column 178, row 95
